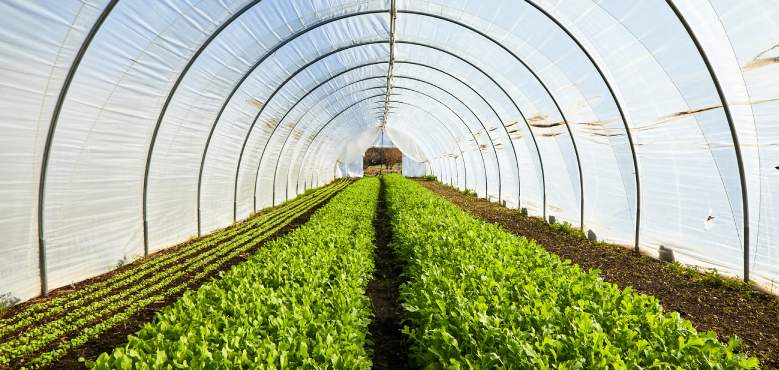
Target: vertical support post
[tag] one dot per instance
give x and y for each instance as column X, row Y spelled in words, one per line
column 42, row 263
column 199, row 232
column 146, row 238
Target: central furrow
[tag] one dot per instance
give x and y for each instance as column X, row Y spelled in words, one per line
column 390, row 349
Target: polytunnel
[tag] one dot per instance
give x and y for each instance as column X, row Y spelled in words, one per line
column 130, row 126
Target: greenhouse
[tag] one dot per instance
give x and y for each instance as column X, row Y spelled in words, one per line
column 389, row 184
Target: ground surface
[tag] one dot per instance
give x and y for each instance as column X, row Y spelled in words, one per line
column 118, row 334
column 390, row 350
column 708, row 302
column 192, row 278
column 381, row 169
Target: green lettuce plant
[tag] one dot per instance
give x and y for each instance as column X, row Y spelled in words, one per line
column 478, row 297
column 298, row 302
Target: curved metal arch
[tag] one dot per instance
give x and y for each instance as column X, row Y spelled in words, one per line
column 267, row 103
column 428, row 113
column 360, row 44
column 379, row 115
column 452, row 95
column 379, row 108
column 565, row 121
column 265, row 147
column 357, row 14
column 296, row 35
column 621, row 111
column 457, row 179
column 508, row 136
column 316, row 135
column 321, row 129
column 344, row 110
column 421, row 14
column 731, row 126
column 360, row 80
column 50, row 138
column 448, row 129
column 551, row 96
column 516, row 106
column 51, row 129
column 484, row 166
column 375, row 77
column 462, row 154
column 308, row 147
column 600, row 72
column 456, row 114
column 342, row 17
column 164, row 110
column 240, row 82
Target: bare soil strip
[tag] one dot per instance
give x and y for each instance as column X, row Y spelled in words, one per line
column 710, row 303
column 390, row 349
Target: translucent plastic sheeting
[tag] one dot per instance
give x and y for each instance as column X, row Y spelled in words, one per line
column 753, row 90
column 33, row 64
column 286, row 70
column 412, row 168
column 360, row 87
column 349, row 169
column 218, row 98
column 165, row 119
column 461, row 96
column 466, row 126
column 313, row 167
column 417, row 120
column 689, row 175
column 670, row 102
column 435, row 131
column 331, row 96
column 503, row 174
column 363, row 86
column 276, row 162
column 346, row 105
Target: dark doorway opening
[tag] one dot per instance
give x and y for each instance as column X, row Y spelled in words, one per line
column 377, row 161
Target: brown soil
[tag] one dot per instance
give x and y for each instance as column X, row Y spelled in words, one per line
column 117, row 335
column 709, row 303
column 390, row 349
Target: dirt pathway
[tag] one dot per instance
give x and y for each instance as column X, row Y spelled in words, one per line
column 390, row 350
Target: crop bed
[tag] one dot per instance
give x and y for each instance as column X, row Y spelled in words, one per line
column 480, row 297
column 387, row 274
column 709, row 301
column 298, row 302
column 42, row 333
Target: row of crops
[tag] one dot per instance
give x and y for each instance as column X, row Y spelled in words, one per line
column 480, row 297
column 43, row 333
column 299, row 302
column 474, row 296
